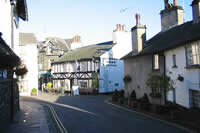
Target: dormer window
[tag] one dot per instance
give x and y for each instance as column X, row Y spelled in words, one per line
column 155, row 62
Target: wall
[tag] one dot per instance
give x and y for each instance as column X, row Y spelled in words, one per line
column 5, row 102
column 139, row 68
column 111, row 73
column 5, row 25
column 28, row 53
column 191, row 77
column 123, row 44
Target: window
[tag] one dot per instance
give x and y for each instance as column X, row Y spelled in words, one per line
column 83, row 84
column 192, row 54
column 156, row 61
column 49, row 64
column 174, row 60
column 3, row 74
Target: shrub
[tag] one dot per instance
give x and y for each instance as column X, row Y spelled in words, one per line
column 49, row 86
column 21, row 71
column 34, row 90
column 133, row 95
column 144, row 103
column 127, row 78
column 121, row 94
column 115, row 96
column 162, row 109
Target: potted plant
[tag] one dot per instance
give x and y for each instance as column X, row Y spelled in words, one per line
column 121, row 97
column 180, row 78
column 115, row 96
column 34, row 92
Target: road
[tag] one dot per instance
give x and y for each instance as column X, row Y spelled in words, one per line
column 90, row 114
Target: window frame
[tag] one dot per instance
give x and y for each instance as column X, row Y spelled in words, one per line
column 192, row 57
column 156, row 66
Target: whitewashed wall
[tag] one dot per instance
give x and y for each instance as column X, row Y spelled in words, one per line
column 111, row 74
column 29, row 55
column 191, row 77
column 5, row 25
column 123, row 44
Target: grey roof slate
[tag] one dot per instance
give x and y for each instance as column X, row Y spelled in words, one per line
column 174, row 37
column 86, row 52
column 27, row 38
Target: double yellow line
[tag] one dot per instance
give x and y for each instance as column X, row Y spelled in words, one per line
column 55, row 116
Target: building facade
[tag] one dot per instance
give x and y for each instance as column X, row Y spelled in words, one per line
column 10, row 12
column 182, row 63
column 95, row 62
column 29, row 56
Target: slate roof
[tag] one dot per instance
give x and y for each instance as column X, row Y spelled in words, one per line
column 27, row 38
column 22, row 9
column 86, row 52
column 174, row 37
column 8, row 57
column 60, row 43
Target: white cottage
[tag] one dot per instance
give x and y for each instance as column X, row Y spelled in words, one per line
column 183, row 61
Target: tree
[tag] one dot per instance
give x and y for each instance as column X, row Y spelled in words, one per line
column 158, row 82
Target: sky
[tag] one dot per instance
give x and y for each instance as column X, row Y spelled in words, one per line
column 93, row 20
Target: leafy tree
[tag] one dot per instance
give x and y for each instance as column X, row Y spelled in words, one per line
column 158, row 82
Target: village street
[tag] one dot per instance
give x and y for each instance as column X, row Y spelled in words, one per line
column 90, row 114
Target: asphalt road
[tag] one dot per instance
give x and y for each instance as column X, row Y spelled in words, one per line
column 90, row 114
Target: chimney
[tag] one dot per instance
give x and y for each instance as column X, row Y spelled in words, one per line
column 172, row 15
column 137, row 16
column 123, row 27
column 138, row 35
column 175, row 3
column 196, row 11
column 76, row 39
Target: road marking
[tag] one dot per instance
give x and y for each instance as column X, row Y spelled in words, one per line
column 56, row 118
column 166, row 122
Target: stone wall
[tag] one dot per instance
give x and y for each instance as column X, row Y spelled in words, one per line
column 5, row 102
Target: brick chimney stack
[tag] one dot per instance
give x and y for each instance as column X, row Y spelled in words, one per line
column 137, row 16
column 76, row 39
column 172, row 15
column 138, row 35
column 120, row 27
column 175, row 2
column 196, row 11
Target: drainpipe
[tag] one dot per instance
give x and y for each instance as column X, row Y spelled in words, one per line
column 13, row 3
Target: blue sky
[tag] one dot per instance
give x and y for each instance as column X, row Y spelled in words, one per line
column 93, row 20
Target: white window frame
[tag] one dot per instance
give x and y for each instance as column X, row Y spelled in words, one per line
column 155, row 63
column 192, row 54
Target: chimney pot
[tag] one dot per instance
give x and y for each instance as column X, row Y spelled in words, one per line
column 175, row 2
column 137, row 16
column 120, row 27
column 123, row 27
column 166, row 3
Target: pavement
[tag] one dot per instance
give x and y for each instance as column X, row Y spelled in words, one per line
column 30, row 119
column 50, row 113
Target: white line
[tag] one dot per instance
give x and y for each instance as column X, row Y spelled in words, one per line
column 169, row 123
